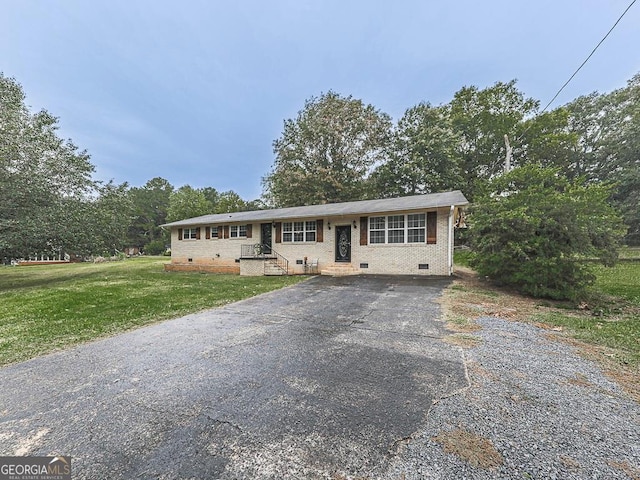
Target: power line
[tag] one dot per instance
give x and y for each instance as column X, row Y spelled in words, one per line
column 587, row 59
column 580, row 67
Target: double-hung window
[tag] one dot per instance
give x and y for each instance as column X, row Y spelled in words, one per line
column 287, row 232
column 214, row 232
column 398, row 229
column 310, row 231
column 416, row 225
column 299, row 231
column 377, row 229
column 395, row 229
column 189, row 233
column 238, row 231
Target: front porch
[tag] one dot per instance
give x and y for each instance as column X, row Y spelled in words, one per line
column 259, row 259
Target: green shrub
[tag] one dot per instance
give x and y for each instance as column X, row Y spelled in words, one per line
column 154, row 247
column 462, row 256
column 535, row 229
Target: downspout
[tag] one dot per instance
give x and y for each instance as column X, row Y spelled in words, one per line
column 451, row 241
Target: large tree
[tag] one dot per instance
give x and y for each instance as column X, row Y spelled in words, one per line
column 187, row 202
column 327, row 152
column 423, row 155
column 621, row 163
column 608, row 131
column 481, row 119
column 44, row 181
column 548, row 141
column 150, row 205
column 112, row 211
column 97, row 224
column 536, row 227
column 230, row 201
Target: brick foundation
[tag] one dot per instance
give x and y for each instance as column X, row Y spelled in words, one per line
column 191, row 267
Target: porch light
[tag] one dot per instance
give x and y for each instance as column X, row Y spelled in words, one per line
column 329, row 225
column 354, row 225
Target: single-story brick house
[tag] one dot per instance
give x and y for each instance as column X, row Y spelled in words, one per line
column 406, row 235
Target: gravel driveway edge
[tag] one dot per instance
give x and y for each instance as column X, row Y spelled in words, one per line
column 534, row 409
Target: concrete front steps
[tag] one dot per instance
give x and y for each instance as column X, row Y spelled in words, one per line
column 272, row 269
column 339, row 270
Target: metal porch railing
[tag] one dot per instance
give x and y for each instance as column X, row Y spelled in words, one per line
column 272, row 258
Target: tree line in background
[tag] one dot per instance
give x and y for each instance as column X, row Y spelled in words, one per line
column 336, row 149
column 50, row 204
column 158, row 202
column 339, row 149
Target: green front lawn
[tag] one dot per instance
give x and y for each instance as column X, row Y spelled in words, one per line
column 622, row 281
column 45, row 308
column 612, row 319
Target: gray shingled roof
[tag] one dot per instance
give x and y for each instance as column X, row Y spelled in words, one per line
column 415, row 202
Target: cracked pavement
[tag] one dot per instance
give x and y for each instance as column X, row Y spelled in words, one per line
column 324, row 379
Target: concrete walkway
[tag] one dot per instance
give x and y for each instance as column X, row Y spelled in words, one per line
column 325, row 379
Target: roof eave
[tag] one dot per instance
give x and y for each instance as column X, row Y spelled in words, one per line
column 455, row 198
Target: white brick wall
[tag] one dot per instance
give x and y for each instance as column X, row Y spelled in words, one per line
column 252, row 268
column 381, row 258
column 205, row 251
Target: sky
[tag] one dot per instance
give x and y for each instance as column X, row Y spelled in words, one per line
column 197, row 91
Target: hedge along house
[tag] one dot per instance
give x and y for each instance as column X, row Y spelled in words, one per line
column 407, row 235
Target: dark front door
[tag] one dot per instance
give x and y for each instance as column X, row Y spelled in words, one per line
column 265, row 237
column 343, row 243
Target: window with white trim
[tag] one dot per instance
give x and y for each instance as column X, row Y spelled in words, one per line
column 395, row 229
column 293, row 232
column 214, row 232
column 189, row 233
column 416, row 228
column 310, row 231
column 377, row 229
column 237, row 231
column 398, row 229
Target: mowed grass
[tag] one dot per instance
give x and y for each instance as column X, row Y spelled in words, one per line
column 612, row 319
column 629, row 252
column 622, row 281
column 46, row 308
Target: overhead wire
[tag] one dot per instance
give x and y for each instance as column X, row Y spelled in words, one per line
column 581, row 65
column 588, row 57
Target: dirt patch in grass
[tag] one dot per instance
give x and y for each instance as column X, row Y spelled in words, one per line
column 476, row 450
column 478, row 370
column 462, row 324
column 470, row 297
column 339, row 476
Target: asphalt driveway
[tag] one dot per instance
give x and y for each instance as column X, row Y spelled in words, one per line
column 325, row 379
